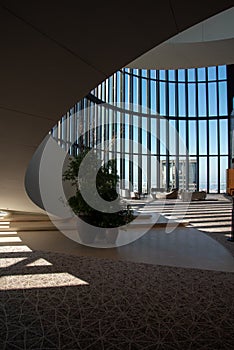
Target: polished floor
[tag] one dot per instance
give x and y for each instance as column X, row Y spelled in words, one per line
column 192, row 235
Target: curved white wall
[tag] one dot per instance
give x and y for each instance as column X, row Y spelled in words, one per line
column 208, row 43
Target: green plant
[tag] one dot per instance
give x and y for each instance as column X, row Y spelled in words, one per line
column 106, row 183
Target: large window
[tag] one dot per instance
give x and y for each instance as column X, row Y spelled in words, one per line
column 171, row 127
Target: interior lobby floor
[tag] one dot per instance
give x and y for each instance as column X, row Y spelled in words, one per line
column 164, row 291
column 184, row 247
column 190, row 244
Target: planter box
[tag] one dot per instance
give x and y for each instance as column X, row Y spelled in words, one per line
column 91, row 234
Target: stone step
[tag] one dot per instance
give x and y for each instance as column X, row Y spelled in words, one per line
column 211, row 224
column 215, row 229
column 200, row 216
column 28, row 226
column 196, row 212
column 201, row 221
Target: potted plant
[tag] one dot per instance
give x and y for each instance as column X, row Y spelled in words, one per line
column 106, row 184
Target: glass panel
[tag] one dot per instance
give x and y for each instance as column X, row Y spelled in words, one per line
column 223, row 143
column 126, row 133
column 181, row 100
column 118, row 132
column 153, row 74
column 212, row 91
column 192, row 138
column 153, row 135
column 118, row 77
column 202, row 137
column 223, row 167
column 126, row 92
column 172, row 137
column 144, row 173
column 144, row 93
column 223, row 98
column 202, row 100
column 103, row 97
column 136, row 72
column 110, row 127
column 202, row 174
column 135, row 90
column 162, row 98
column 162, row 74
column 144, row 73
column 211, row 73
column 135, row 134
column 118, row 167
column 222, row 72
column 191, row 100
column 182, row 173
column 201, row 74
column 191, row 74
column 182, row 139
column 153, row 171
column 110, row 89
column 172, row 99
column 172, row 173
column 213, row 174
column 144, row 134
column 192, row 173
column 126, row 175
column 171, row 75
column 181, row 75
column 135, row 172
column 148, row 133
column 100, row 91
column 213, row 135
column 163, row 172
column 163, row 136
column 153, row 96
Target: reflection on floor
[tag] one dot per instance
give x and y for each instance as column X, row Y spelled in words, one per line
column 212, row 216
column 121, row 298
column 205, row 216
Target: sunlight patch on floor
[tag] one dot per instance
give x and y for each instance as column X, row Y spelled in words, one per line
column 7, row 262
column 20, row 279
column 8, row 233
column 15, row 249
column 10, row 239
column 40, row 262
column 47, row 280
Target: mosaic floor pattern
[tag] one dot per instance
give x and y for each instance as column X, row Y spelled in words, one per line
column 56, row 301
